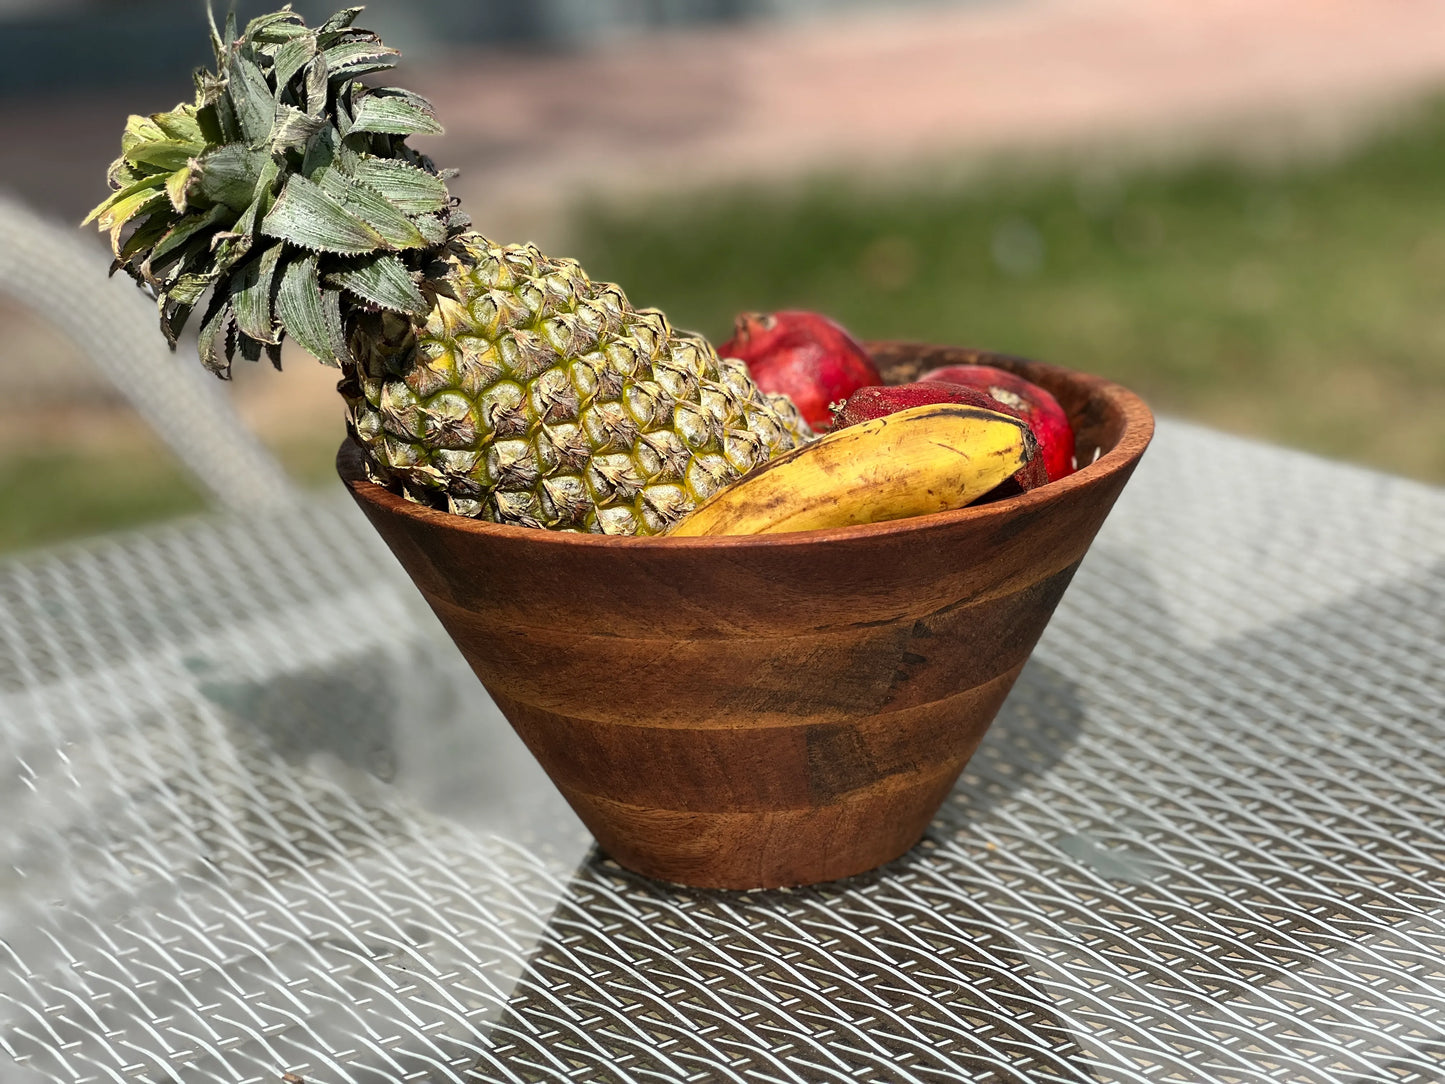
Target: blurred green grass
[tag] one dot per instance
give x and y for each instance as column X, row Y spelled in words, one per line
column 64, row 493
column 1301, row 302
column 60, row 494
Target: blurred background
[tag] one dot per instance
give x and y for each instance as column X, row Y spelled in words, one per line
column 1237, row 207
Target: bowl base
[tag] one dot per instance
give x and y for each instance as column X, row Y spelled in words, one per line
column 781, row 848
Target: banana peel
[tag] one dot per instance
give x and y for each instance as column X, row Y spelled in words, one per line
column 930, row 458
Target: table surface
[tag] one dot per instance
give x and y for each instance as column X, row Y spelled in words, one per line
column 257, row 817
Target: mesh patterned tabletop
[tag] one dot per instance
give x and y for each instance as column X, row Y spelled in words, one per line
column 257, row 818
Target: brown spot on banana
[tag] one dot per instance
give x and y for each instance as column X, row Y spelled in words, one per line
column 925, row 459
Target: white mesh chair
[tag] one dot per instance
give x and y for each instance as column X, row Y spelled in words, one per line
column 61, row 274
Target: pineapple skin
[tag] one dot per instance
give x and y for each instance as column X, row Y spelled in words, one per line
column 531, row 395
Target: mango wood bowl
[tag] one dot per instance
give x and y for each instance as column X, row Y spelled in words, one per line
column 751, row 712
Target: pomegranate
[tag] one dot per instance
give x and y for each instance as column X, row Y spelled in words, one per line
column 868, row 403
column 1029, row 401
column 804, row 356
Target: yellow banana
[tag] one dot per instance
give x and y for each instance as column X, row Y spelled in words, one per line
column 924, row 459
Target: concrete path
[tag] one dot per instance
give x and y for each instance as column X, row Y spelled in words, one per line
column 880, row 90
column 875, row 90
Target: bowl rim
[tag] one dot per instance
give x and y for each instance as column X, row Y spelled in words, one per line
column 1138, row 431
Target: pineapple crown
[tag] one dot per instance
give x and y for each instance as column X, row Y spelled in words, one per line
column 286, row 189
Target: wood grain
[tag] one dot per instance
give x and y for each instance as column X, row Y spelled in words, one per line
column 751, row 712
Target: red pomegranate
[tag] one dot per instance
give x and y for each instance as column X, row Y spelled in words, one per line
column 803, row 355
column 868, row 403
column 1029, row 401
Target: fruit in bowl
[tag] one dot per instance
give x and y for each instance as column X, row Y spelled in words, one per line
column 755, row 710
column 821, row 367
column 1029, row 401
column 725, row 710
column 486, row 379
column 804, row 355
column 866, row 404
column 932, row 457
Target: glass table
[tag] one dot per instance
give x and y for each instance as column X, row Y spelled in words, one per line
column 258, row 822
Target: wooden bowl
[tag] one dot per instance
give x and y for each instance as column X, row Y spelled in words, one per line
column 749, row 712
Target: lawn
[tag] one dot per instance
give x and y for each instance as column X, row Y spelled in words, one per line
column 1301, row 304
column 1304, row 304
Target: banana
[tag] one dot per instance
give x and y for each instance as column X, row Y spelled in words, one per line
column 924, row 459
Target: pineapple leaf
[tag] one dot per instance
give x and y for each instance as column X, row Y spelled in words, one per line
column 228, row 175
column 384, row 281
column 146, row 234
column 353, row 58
column 215, row 331
column 366, row 68
column 209, row 120
column 251, row 96
column 321, row 152
column 226, row 118
column 276, row 28
column 176, row 187
column 434, row 229
column 246, row 346
column 117, row 215
column 229, row 249
column 217, row 45
column 251, row 295
column 309, row 218
column 138, row 131
column 209, row 125
column 291, row 58
column 372, row 208
column 180, row 233
column 340, row 21
column 408, row 189
column 317, row 86
column 191, row 256
column 173, row 320
column 187, row 288
column 311, row 315
column 166, row 154
column 359, row 68
column 119, row 175
column 221, row 41
column 145, row 184
column 342, row 112
column 293, row 129
column 209, row 86
column 249, row 348
column 392, row 111
column 325, row 39
column 286, row 191
column 265, row 184
column 181, row 125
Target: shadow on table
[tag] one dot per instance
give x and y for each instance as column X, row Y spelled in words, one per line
column 1036, row 728
column 791, row 965
column 347, row 710
column 1269, row 723
column 663, row 979
column 413, row 720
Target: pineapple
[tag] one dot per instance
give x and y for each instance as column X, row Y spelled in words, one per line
column 488, row 380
